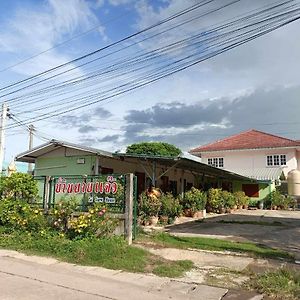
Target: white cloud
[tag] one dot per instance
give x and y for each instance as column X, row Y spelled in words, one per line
column 39, row 28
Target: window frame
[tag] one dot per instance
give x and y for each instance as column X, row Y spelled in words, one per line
column 217, row 162
column 276, row 160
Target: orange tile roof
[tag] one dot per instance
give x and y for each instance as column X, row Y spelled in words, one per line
column 251, row 139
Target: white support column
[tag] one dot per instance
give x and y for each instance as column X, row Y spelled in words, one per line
column 129, row 208
column 2, row 134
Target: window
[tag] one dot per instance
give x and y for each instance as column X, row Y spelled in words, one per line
column 283, row 160
column 217, row 162
column 251, row 190
column 276, row 160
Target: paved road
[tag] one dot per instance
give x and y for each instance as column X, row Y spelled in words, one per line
column 30, row 278
column 284, row 236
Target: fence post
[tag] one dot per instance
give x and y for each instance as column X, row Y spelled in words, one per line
column 129, row 208
column 46, row 193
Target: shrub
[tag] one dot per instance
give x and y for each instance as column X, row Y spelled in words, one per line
column 214, row 199
column 194, row 199
column 19, row 186
column 170, row 206
column 279, row 200
column 228, row 199
column 149, row 206
column 241, row 198
column 61, row 213
column 93, row 223
column 18, row 214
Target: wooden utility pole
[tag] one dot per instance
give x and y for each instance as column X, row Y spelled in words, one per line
column 2, row 134
column 31, row 129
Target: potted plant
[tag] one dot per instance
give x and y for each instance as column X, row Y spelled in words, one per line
column 241, row 199
column 170, row 208
column 228, row 200
column 214, row 200
column 194, row 202
column 149, row 207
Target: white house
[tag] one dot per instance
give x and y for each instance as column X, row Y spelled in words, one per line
column 254, row 154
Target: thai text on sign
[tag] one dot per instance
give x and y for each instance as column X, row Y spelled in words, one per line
column 109, row 186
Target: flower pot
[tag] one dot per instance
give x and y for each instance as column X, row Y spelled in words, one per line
column 245, row 206
column 235, row 207
column 164, row 219
column 240, row 206
column 228, row 210
column 222, row 210
column 201, row 214
column 261, row 205
column 188, row 212
column 153, row 220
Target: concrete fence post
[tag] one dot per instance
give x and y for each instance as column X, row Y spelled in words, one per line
column 129, row 208
column 46, row 193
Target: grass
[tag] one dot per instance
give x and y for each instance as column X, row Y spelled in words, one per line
column 280, row 284
column 274, row 223
column 166, row 240
column 111, row 253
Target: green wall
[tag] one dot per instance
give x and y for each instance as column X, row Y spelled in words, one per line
column 264, row 189
column 50, row 166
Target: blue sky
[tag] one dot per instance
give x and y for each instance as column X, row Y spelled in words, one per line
column 253, row 86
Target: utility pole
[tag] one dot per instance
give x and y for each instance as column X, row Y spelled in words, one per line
column 31, row 129
column 2, row 133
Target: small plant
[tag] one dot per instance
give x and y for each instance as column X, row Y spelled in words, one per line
column 214, row 199
column 170, row 206
column 149, row 206
column 228, row 199
column 241, row 199
column 194, row 200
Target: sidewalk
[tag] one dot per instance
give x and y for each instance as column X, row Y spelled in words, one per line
column 32, row 277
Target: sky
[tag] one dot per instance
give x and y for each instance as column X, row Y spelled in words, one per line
column 255, row 85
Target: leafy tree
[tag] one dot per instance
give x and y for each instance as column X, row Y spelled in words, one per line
column 19, row 186
column 153, row 148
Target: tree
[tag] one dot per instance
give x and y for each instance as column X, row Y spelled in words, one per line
column 19, row 186
column 153, row 148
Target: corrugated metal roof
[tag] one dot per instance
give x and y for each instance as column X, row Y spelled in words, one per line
column 260, row 173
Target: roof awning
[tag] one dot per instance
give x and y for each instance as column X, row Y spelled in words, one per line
column 186, row 162
column 30, row 155
column 260, row 173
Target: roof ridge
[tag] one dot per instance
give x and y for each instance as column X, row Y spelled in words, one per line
column 223, row 139
column 231, row 138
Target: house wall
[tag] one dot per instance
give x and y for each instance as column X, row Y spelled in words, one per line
column 63, row 161
column 264, row 189
column 253, row 158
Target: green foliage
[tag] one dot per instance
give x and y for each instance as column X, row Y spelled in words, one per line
column 280, row 284
column 18, row 214
column 93, row 223
column 149, row 206
column 194, row 199
column 112, row 253
column 19, row 186
column 214, row 199
column 170, row 206
column 153, row 148
column 61, row 213
column 279, row 200
column 241, row 198
column 228, row 199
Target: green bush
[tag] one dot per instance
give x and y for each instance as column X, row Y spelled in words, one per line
column 228, row 199
column 194, row 199
column 279, row 200
column 214, row 199
column 18, row 214
column 170, row 206
column 149, row 206
column 19, row 186
column 240, row 198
